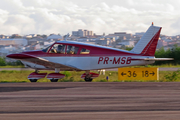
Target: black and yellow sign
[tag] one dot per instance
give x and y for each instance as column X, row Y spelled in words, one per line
column 138, row 73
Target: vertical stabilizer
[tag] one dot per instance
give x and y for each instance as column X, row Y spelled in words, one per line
column 147, row 44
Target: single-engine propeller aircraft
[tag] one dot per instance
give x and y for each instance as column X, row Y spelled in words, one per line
column 77, row 56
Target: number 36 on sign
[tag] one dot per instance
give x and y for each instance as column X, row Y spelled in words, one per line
column 138, row 73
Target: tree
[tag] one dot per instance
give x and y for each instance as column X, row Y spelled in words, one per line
column 2, row 61
column 170, row 53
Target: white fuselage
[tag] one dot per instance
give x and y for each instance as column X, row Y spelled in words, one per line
column 93, row 62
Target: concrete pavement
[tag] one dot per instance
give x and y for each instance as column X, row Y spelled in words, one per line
column 81, row 100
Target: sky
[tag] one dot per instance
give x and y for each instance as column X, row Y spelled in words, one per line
column 100, row 16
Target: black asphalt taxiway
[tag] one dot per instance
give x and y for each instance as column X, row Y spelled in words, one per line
column 81, row 100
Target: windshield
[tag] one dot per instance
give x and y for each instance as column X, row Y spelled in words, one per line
column 46, row 49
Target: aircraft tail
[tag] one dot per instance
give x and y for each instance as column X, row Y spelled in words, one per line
column 147, row 44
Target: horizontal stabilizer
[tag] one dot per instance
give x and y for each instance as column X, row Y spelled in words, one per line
column 152, row 59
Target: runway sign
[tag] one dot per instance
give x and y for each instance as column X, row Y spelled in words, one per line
column 138, row 73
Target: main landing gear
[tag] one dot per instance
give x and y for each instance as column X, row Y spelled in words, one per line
column 53, row 77
column 33, row 77
column 54, row 80
column 33, row 80
column 88, row 76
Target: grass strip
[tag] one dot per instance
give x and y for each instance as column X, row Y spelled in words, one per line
column 21, row 76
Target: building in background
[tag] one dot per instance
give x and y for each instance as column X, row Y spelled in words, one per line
column 105, row 41
column 54, row 37
column 82, row 33
column 17, row 41
column 122, row 35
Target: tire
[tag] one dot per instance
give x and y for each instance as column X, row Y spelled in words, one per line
column 54, row 80
column 88, row 79
column 33, row 80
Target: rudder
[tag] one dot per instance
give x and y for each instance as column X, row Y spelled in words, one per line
column 147, row 44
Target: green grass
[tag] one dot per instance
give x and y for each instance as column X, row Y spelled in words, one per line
column 21, row 76
column 12, row 66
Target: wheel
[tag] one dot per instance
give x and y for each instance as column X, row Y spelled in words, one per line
column 33, row 80
column 54, row 80
column 88, row 79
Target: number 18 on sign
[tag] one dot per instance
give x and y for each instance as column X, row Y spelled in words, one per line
column 138, row 73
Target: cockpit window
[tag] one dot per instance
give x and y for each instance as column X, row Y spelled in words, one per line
column 72, row 49
column 84, row 51
column 58, row 48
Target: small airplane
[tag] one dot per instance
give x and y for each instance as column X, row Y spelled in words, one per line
column 77, row 56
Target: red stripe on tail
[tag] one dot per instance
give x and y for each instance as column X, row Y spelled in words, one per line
column 150, row 48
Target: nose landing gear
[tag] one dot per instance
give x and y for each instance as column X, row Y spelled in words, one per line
column 54, row 77
column 88, row 76
column 88, row 79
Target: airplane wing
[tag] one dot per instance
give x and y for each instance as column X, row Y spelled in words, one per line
column 41, row 61
column 152, row 59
